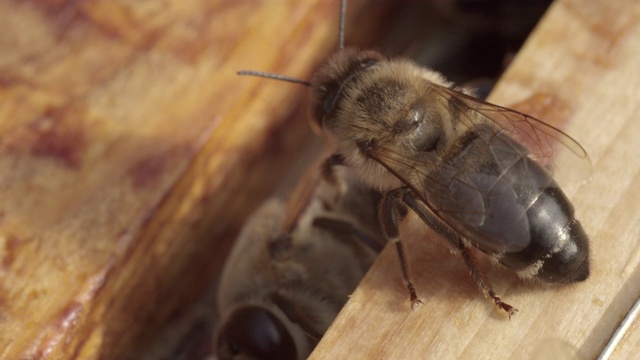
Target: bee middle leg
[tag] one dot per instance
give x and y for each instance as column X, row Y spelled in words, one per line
column 392, row 211
column 348, row 229
column 459, row 243
column 482, row 280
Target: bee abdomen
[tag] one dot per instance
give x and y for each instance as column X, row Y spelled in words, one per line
column 559, row 248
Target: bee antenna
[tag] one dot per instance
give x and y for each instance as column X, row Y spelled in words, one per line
column 274, row 77
column 343, row 14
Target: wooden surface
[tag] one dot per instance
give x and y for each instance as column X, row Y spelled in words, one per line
column 584, row 56
column 130, row 153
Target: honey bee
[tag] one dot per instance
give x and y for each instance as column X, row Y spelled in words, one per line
column 479, row 174
column 291, row 271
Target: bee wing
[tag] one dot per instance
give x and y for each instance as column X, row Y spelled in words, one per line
column 482, row 207
column 488, row 203
column 556, row 151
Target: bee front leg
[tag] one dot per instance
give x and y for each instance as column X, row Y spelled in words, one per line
column 392, row 211
column 459, row 243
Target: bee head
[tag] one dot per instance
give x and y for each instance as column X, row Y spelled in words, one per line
column 255, row 332
column 343, row 69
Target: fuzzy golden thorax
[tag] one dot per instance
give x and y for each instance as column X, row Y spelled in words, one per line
column 374, row 107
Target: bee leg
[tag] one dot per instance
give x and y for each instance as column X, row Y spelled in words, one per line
column 348, row 229
column 392, row 211
column 460, row 244
column 482, row 280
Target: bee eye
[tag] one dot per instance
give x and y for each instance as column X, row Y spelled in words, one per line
column 367, row 63
column 366, row 145
column 254, row 331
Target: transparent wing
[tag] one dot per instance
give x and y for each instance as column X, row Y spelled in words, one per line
column 483, row 207
column 556, row 151
column 486, row 209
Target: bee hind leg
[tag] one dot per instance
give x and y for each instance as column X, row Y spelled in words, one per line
column 459, row 243
column 482, row 280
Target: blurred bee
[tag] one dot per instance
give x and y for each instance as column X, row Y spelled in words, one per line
column 479, row 174
column 293, row 268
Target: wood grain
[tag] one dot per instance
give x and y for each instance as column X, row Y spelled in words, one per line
column 584, row 56
column 130, row 153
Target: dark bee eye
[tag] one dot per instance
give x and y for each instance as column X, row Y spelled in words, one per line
column 254, row 331
column 366, row 145
column 330, row 102
column 367, row 63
